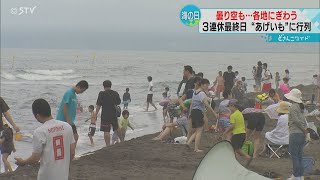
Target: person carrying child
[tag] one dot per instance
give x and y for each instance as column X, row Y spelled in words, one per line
column 6, row 146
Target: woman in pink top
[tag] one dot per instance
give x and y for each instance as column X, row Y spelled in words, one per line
column 284, row 87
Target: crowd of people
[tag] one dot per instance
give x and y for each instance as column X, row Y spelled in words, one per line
column 191, row 109
column 54, row 142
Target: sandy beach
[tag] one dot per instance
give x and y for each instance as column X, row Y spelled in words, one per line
column 142, row 158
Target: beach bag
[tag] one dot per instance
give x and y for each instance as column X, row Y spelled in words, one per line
column 247, row 147
column 308, row 163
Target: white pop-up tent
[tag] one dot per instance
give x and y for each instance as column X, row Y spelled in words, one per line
column 220, row 163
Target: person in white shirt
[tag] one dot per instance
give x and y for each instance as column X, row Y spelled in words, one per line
column 238, row 78
column 53, row 144
column 266, row 79
column 150, row 94
column 280, row 134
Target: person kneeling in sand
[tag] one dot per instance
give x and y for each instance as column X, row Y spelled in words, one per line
column 181, row 122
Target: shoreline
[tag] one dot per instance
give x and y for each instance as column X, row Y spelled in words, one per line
column 143, row 158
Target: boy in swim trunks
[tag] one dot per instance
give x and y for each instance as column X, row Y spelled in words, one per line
column 6, row 146
column 92, row 127
column 220, row 87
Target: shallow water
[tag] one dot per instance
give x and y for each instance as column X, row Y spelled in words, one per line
column 27, row 74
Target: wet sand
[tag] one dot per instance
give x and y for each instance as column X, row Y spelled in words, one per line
column 142, row 158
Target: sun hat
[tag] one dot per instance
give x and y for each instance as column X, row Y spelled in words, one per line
column 283, row 108
column 294, row 95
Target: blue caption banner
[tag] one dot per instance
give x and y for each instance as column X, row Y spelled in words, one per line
column 292, row 37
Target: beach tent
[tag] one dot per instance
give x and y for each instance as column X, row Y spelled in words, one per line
column 220, row 163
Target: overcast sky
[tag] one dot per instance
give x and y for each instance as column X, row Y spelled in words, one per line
column 126, row 24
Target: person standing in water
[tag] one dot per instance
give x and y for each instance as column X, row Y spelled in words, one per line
column 126, row 99
column 150, row 94
column 108, row 100
column 229, row 77
column 68, row 106
column 220, row 84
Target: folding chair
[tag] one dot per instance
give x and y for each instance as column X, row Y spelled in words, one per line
column 275, row 149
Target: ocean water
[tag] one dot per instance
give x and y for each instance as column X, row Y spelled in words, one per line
column 28, row 74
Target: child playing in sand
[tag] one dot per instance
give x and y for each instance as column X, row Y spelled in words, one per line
column 92, row 127
column 220, row 87
column 284, row 87
column 6, row 146
column 277, row 80
column 126, row 99
column 238, row 129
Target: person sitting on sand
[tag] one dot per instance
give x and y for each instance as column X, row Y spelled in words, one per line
column 220, row 84
column 284, row 87
column 171, row 109
column 6, row 146
column 238, row 129
column 181, row 122
column 274, row 96
column 280, row 134
column 92, row 126
column 237, row 91
column 198, row 105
